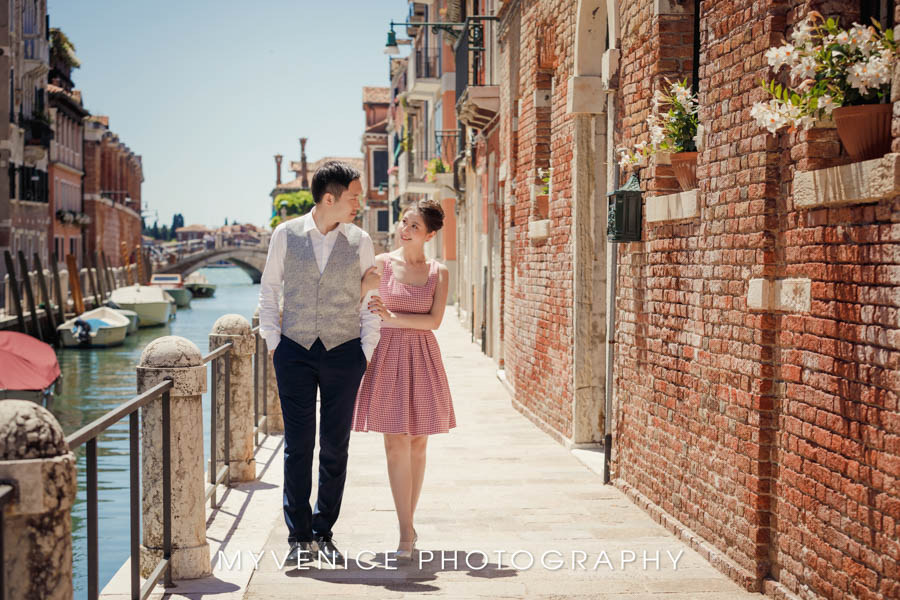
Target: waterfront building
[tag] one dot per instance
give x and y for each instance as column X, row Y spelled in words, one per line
column 376, row 219
column 423, row 130
column 67, row 113
column 113, row 175
column 25, row 129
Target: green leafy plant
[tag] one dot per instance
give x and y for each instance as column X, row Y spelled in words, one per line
column 62, row 48
column 830, row 67
column 672, row 131
column 435, row 166
column 291, row 205
column 545, row 175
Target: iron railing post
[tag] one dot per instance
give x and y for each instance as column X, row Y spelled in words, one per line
column 227, row 455
column 213, row 376
column 167, row 488
column 93, row 590
column 135, row 493
column 256, row 391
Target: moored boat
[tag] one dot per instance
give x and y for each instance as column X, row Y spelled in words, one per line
column 101, row 327
column 28, row 367
column 151, row 303
column 199, row 285
column 128, row 314
column 174, row 286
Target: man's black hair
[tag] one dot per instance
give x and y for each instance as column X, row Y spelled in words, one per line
column 334, row 177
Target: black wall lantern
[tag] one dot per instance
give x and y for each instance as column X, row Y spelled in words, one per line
column 625, row 212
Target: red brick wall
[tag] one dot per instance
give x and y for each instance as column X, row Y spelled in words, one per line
column 537, row 304
column 774, row 436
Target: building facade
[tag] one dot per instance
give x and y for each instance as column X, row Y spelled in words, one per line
column 25, row 129
column 739, row 360
column 376, row 219
column 113, row 175
column 423, row 129
column 67, row 113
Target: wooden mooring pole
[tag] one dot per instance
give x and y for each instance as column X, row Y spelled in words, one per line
column 29, row 296
column 45, row 293
column 75, row 284
column 14, row 290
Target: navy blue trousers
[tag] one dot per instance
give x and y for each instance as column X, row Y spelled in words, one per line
column 336, row 373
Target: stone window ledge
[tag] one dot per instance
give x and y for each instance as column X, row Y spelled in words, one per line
column 856, row 183
column 539, row 230
column 785, row 295
column 672, row 207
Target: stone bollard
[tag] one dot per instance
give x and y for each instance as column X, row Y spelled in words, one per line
column 179, row 359
column 275, row 419
column 37, row 526
column 235, row 328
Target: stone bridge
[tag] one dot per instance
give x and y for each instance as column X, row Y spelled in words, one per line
column 251, row 259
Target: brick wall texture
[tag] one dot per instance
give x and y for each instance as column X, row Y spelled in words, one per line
column 774, row 436
column 537, row 295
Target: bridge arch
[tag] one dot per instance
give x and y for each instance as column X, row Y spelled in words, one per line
column 251, row 260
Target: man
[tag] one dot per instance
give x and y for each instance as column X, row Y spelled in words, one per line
column 323, row 342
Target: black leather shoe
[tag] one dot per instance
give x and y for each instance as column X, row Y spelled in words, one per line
column 301, row 552
column 328, row 550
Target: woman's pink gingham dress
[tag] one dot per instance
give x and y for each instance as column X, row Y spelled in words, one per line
column 405, row 387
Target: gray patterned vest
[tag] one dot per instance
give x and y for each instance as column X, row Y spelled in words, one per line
column 321, row 306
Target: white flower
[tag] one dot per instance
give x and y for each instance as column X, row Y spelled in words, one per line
column 826, row 104
column 862, row 76
column 772, row 115
column 657, row 135
column 802, row 33
column 843, row 38
column 863, row 38
column 804, row 69
column 780, row 56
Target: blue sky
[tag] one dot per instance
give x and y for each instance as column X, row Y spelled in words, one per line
column 207, row 92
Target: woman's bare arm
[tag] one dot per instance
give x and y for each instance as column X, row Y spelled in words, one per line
column 428, row 321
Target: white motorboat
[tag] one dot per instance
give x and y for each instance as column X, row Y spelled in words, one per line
column 174, row 286
column 102, row 326
column 199, row 285
column 152, row 305
column 132, row 319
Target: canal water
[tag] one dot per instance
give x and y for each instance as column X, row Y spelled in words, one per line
column 96, row 381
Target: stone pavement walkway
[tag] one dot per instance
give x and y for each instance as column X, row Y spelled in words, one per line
column 495, row 484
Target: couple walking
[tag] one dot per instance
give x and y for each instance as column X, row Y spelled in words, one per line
column 375, row 362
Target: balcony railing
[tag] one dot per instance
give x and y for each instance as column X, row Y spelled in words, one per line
column 474, row 63
column 477, row 92
column 37, row 132
column 446, row 144
column 424, row 76
column 426, row 66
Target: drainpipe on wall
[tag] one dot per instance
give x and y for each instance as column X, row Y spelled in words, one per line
column 613, row 255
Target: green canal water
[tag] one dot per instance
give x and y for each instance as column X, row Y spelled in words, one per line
column 96, row 381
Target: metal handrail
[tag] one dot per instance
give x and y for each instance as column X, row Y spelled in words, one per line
column 88, row 435
column 7, row 492
column 217, row 476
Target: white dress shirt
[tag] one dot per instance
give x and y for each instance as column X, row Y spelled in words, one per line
column 271, row 285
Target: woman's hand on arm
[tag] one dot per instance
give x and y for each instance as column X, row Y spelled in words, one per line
column 428, row 321
column 372, row 277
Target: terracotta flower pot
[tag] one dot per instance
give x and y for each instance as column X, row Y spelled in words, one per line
column 865, row 131
column 685, row 166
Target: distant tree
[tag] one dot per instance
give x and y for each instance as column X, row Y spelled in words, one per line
column 177, row 221
column 289, row 206
column 164, row 233
column 154, row 231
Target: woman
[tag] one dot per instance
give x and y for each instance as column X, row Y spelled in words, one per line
column 404, row 393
